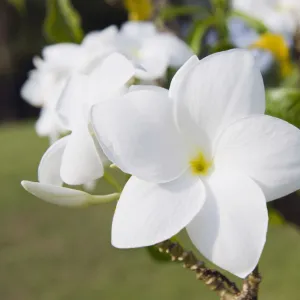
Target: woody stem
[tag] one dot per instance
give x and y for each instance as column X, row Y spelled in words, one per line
column 250, row 286
column 217, row 282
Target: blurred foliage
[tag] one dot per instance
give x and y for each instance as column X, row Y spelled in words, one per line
column 55, row 253
column 19, row 4
column 175, row 11
column 197, row 33
column 293, row 80
column 62, row 23
column 252, row 22
column 284, row 103
column 275, row 218
column 139, row 10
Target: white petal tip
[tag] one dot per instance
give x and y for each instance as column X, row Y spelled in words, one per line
column 23, row 183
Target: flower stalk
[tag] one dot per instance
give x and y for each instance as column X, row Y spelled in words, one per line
column 214, row 280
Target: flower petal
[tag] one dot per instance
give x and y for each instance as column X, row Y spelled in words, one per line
column 64, row 196
column 31, row 89
column 266, row 149
column 148, row 88
column 101, row 37
column 222, row 88
column 151, row 60
column 138, row 30
column 80, row 161
column 64, row 55
column 49, row 168
column 181, row 74
column 149, row 213
column 48, row 124
column 138, row 134
column 230, row 229
column 73, row 100
column 109, row 77
column 152, row 64
column 56, row 194
column 176, row 49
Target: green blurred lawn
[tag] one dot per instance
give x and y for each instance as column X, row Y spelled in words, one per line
column 54, row 253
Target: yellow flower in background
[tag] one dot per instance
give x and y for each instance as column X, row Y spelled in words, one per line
column 277, row 45
column 139, row 10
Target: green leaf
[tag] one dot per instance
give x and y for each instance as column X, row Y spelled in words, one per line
column 62, row 23
column 172, row 12
column 197, row 33
column 221, row 46
column 292, row 80
column 18, row 4
column 221, row 4
column 257, row 25
column 284, row 103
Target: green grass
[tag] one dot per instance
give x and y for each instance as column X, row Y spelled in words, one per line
column 54, row 253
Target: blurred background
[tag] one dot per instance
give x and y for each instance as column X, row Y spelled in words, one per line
column 54, row 253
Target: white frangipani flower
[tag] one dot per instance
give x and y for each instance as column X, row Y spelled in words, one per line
column 56, row 66
column 46, row 83
column 280, row 16
column 203, row 156
column 152, row 50
column 60, row 60
column 81, row 162
column 50, row 189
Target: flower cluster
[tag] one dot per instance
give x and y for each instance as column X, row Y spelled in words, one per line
column 202, row 155
column 151, row 52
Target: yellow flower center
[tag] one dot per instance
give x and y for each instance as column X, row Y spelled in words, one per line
column 199, row 165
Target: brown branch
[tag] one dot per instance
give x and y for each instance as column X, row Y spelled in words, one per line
column 226, row 289
column 250, row 286
column 214, row 280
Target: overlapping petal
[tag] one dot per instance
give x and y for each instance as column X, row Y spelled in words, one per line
column 175, row 48
column 266, row 149
column 31, row 90
column 109, row 77
column 148, row 88
column 137, row 133
column 72, row 101
column 80, row 162
column 62, row 55
column 230, row 229
column 99, row 39
column 148, row 213
column 180, row 76
column 49, row 168
column 152, row 63
column 48, row 124
column 219, row 90
column 57, row 195
column 138, row 30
